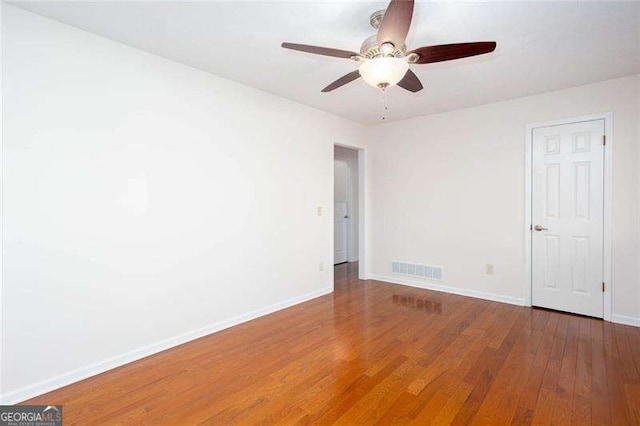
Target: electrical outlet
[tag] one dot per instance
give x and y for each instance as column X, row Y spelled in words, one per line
column 321, row 266
column 488, row 269
column 319, row 210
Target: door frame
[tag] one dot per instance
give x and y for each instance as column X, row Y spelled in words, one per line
column 362, row 205
column 608, row 203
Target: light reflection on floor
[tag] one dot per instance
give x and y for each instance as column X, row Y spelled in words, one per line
column 418, row 303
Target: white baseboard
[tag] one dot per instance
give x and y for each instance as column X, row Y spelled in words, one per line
column 623, row 319
column 618, row 319
column 33, row 390
column 439, row 287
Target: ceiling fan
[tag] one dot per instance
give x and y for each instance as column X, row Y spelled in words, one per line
column 384, row 57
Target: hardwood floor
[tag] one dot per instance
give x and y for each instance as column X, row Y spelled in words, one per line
column 379, row 353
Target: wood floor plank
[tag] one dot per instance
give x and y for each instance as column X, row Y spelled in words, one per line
column 563, row 403
column 531, row 389
column 377, row 353
column 600, row 408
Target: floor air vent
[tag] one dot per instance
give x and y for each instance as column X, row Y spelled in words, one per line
column 415, row 270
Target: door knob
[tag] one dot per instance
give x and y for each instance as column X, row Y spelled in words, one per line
column 540, row 228
column 346, row 217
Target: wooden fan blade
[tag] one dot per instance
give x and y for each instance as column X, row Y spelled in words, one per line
column 395, row 23
column 342, row 81
column 326, row 51
column 447, row 52
column 410, row 82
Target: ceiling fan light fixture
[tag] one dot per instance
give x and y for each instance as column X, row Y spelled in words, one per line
column 384, row 56
column 383, row 72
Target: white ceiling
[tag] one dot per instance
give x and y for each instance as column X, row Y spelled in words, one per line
column 541, row 47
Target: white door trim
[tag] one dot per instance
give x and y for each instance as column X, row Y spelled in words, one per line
column 362, row 206
column 608, row 202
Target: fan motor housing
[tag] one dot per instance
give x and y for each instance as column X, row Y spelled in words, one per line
column 370, row 49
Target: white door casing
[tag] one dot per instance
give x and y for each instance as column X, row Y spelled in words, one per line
column 340, row 232
column 567, row 209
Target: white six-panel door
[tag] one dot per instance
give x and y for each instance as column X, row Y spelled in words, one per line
column 340, row 232
column 567, row 215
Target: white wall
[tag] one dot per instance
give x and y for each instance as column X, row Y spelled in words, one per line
column 448, row 189
column 1, row 202
column 147, row 203
column 349, row 157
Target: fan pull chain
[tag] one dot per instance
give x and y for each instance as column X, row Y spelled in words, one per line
column 385, row 104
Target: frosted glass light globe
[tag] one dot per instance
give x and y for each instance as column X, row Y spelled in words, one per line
column 383, row 72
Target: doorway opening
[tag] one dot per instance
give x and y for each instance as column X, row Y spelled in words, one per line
column 568, row 215
column 347, row 208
